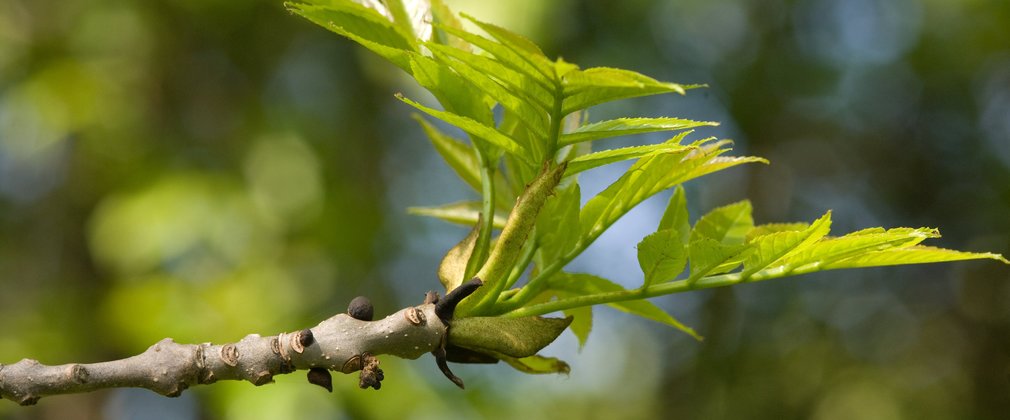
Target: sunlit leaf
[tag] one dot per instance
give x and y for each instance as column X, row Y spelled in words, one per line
column 533, row 117
column 675, row 216
column 915, row 255
column 518, row 83
column 605, row 157
column 772, row 247
column 662, row 256
column 727, row 225
column 582, row 323
column 585, row 88
column 504, row 54
column 628, row 126
column 558, row 223
column 767, row 228
column 856, row 243
column 474, row 128
column 709, row 256
column 524, row 48
column 362, row 25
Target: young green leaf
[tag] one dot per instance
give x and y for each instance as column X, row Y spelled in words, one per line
column 727, row 225
column 768, row 228
column 868, row 240
column 579, row 284
column 457, row 155
column 514, row 337
column 533, row 117
column 504, row 54
column 461, row 212
column 628, row 126
column 510, row 243
column 538, row 364
column 524, row 48
column 453, row 267
column 362, row 25
column 582, row 323
column 675, row 216
column 709, row 257
column 605, row 157
column 455, row 94
column 585, row 88
column 517, row 82
column 770, row 248
column 915, row 255
column 558, row 223
column 662, row 256
column 474, row 128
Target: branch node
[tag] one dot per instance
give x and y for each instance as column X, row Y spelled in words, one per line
column 414, row 316
column 230, row 355
column 352, row 364
column 305, row 338
column 262, row 378
column 79, row 374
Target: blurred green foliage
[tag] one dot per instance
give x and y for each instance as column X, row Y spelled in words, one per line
column 208, row 169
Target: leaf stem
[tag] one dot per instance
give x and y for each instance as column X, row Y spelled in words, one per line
column 483, row 246
column 678, row 286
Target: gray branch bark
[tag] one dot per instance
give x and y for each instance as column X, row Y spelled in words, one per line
column 340, row 343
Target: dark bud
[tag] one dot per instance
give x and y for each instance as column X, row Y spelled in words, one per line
column 371, row 376
column 444, row 367
column 360, row 308
column 321, row 377
column 447, row 305
column 305, row 337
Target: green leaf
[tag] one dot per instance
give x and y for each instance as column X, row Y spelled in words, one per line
column 675, row 216
column 453, row 267
column 709, row 256
column 522, row 47
column 456, row 154
column 662, row 256
column 915, row 255
column 533, row 117
column 770, row 248
column 504, row 54
column 362, row 25
column 460, row 212
column 514, row 337
column 517, row 82
column 727, row 225
column 585, row 88
column 857, row 243
column 474, row 128
column 538, row 364
column 582, row 323
column 509, row 245
column 442, row 15
column 455, row 94
column 628, row 126
column 767, row 228
column 605, row 157
column 578, row 284
column 558, row 223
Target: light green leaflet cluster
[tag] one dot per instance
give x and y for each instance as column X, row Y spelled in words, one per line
column 525, row 165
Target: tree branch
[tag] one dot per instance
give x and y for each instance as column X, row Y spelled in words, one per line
column 340, row 343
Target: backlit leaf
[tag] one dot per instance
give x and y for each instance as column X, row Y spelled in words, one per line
column 453, row 267
column 772, row 247
column 662, row 256
column 727, row 225
column 628, row 126
column 461, row 212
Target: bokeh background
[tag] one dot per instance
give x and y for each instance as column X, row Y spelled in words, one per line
column 205, row 169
